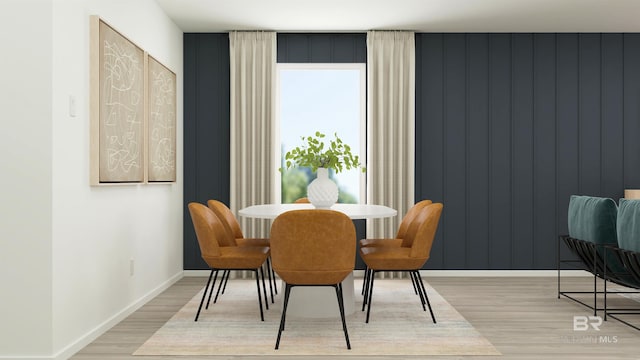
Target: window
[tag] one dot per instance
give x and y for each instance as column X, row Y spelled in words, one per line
column 329, row 98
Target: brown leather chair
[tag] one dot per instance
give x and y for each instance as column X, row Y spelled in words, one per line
column 400, row 239
column 232, row 225
column 302, row 200
column 212, row 236
column 313, row 248
column 421, row 233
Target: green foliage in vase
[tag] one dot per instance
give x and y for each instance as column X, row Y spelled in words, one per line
column 316, row 154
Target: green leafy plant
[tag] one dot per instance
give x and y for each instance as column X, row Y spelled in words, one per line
column 315, row 154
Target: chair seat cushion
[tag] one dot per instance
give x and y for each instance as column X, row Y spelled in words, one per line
column 390, row 258
column 252, row 241
column 311, row 277
column 380, row 242
column 236, row 257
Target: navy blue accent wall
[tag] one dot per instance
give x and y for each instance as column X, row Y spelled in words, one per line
column 322, row 48
column 508, row 126
column 206, row 130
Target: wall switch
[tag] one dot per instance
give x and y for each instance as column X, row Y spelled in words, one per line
column 72, row 106
column 131, row 267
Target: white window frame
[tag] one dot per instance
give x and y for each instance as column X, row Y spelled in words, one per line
column 362, row 152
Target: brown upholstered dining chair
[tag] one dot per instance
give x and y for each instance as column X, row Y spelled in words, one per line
column 400, row 240
column 211, row 235
column 232, row 225
column 302, row 200
column 313, row 248
column 421, row 233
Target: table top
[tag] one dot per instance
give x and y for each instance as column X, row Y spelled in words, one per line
column 353, row 211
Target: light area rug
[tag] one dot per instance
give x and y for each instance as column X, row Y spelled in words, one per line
column 397, row 326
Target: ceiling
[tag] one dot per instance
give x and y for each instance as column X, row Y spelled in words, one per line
column 416, row 15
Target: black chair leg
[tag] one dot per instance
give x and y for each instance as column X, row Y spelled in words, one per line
column 204, row 294
column 259, row 296
column 226, row 280
column 225, row 276
column 341, row 306
column 425, row 296
column 271, row 280
column 364, row 279
column 264, row 289
column 369, row 298
column 287, row 291
column 420, row 292
column 211, row 290
column 273, row 275
column 366, row 285
column 413, row 282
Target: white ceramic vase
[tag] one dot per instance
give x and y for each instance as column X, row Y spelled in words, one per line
column 322, row 192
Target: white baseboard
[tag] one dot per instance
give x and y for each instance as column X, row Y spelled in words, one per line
column 89, row 337
column 461, row 273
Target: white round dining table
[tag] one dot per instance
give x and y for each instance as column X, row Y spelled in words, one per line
column 320, row 302
column 353, row 211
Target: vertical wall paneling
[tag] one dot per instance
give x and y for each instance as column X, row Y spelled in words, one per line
column 545, row 225
column 631, row 97
column 612, row 130
column 477, row 206
column 500, row 157
column 509, row 126
column 522, row 200
column 322, row 48
column 567, row 127
column 430, row 134
column 589, row 113
column 455, row 145
column 206, row 129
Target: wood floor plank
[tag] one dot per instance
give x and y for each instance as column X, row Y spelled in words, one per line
column 521, row 316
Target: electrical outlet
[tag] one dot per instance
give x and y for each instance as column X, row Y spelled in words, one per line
column 131, row 267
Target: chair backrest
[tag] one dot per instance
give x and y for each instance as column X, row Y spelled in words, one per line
column 593, row 219
column 208, row 229
column 423, row 230
column 313, row 247
column 229, row 220
column 407, row 219
column 302, row 200
column 629, row 225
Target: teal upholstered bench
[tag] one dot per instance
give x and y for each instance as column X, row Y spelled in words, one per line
column 596, row 227
column 627, row 253
column 592, row 226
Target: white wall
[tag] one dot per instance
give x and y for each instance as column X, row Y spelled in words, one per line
column 70, row 252
column 25, row 180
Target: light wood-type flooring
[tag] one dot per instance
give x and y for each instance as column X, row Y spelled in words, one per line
column 521, row 316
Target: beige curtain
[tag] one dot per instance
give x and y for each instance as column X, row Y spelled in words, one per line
column 390, row 125
column 252, row 76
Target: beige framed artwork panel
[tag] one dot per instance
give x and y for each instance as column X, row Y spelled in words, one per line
column 117, row 107
column 161, row 132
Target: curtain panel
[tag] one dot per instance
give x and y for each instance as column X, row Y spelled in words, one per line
column 252, row 116
column 390, row 126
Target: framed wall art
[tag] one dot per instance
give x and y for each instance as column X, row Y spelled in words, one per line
column 117, row 106
column 161, row 132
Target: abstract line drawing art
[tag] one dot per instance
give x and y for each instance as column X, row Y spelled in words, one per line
column 162, row 122
column 121, row 112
